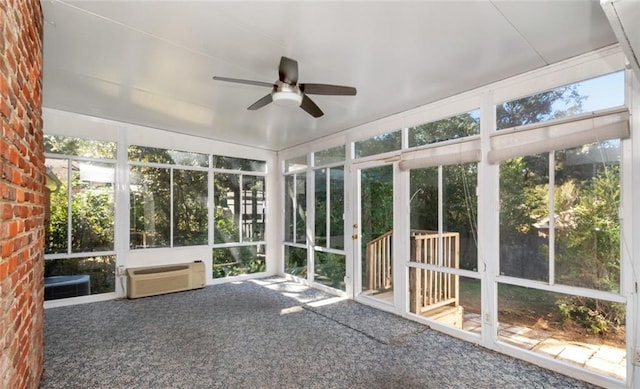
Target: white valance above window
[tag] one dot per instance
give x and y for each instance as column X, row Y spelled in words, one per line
column 559, row 134
column 458, row 152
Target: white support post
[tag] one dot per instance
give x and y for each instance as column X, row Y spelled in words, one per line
column 488, row 222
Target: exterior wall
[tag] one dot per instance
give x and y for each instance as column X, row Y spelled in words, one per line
column 22, row 179
column 63, row 123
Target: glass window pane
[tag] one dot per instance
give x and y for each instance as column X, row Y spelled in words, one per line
column 587, row 227
column 376, row 219
column 301, row 210
column 297, row 163
column 190, row 212
column 446, row 298
column 174, row 157
column 332, row 155
column 450, row 128
column 289, row 207
column 231, row 163
column 582, row 331
column 378, row 144
column 92, row 206
column 253, row 203
column 336, row 211
column 524, row 188
column 234, row 261
column 424, row 200
column 57, row 206
column 150, row 207
column 65, row 145
column 586, row 96
column 459, row 219
column 226, row 192
column 295, row 261
column 330, row 269
column 321, row 207
column 72, row 277
column 329, row 202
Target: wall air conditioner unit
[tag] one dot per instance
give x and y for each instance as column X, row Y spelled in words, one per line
column 154, row 280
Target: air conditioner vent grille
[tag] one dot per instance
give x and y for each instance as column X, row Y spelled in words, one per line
column 150, row 281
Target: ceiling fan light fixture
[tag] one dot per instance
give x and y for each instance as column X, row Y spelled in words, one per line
column 287, row 98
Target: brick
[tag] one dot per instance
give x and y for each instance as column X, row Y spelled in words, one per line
column 7, row 212
column 7, row 248
column 13, row 264
column 22, row 194
column 4, row 270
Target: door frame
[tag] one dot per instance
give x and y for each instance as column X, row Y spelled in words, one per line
column 400, row 271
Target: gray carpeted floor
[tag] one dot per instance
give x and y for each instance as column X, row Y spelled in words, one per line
column 267, row 333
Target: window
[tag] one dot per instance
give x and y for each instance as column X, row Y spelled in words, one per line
column 390, row 141
column 329, row 264
column 239, row 208
column 559, row 216
column 295, row 208
column 168, row 203
column 79, row 214
column 63, row 145
column 329, row 208
column 559, row 224
column 454, row 127
column 190, row 212
column 587, row 96
column 295, row 221
column 295, row 164
column 443, row 240
column 150, row 207
column 329, row 156
column 172, row 157
column 230, row 163
column 88, row 198
column 239, row 218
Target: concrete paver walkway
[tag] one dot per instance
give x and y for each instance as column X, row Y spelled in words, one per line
column 604, row 359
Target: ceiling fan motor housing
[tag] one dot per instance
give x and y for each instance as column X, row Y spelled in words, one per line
column 286, row 94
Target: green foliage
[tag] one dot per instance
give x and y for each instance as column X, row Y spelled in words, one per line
column 233, row 261
column 295, row 261
column 79, row 147
column 451, row 128
column 376, row 202
column 92, row 220
column 330, row 269
column 539, row 107
column 597, row 316
column 150, row 206
column 378, row 144
column 190, row 212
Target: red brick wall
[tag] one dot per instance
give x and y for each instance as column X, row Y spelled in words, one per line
column 22, row 182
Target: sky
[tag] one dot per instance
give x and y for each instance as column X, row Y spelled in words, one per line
column 604, row 92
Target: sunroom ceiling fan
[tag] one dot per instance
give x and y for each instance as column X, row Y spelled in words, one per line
column 286, row 89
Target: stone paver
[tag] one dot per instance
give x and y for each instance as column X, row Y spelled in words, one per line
column 577, row 353
column 550, row 346
column 604, row 359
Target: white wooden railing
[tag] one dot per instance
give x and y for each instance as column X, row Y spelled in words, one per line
column 431, row 289
column 428, row 289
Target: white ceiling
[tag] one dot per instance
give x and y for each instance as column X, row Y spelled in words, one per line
column 151, row 62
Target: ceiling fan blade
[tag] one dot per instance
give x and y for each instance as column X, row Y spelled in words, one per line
column 248, row 82
column 261, row 103
column 310, row 107
column 325, row 89
column 288, row 70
